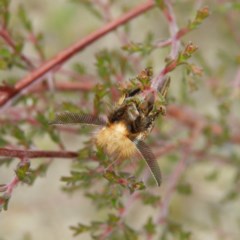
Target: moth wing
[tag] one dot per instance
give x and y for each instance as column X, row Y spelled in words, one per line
column 150, row 159
column 73, row 118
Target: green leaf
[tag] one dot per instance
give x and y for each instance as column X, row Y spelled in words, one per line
column 201, row 15
column 69, row 106
column 106, row 199
column 104, row 65
column 3, row 142
column 189, row 49
column 178, row 231
column 20, row 135
column 129, row 233
column 124, row 181
column 100, row 92
column 79, row 229
column 79, row 68
column 113, row 219
column 37, row 172
column 142, row 48
column 45, row 128
column 5, row 53
column 230, row 196
column 22, row 14
column 111, row 177
column 4, row 11
column 160, row 3
column 150, row 227
column 23, row 172
column 150, row 199
column 79, row 179
column 42, row 120
column 184, row 188
column 4, row 201
column 90, row 7
column 212, row 176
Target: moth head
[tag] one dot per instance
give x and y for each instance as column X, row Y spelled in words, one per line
column 147, row 104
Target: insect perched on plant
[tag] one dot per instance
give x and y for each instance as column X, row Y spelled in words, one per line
column 128, row 123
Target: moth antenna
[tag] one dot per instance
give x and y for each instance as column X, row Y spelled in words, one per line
column 150, row 159
column 73, row 118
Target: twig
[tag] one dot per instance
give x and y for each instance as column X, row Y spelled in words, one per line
column 169, row 14
column 66, row 54
column 173, row 27
column 5, row 152
column 236, row 81
column 10, row 186
column 167, row 42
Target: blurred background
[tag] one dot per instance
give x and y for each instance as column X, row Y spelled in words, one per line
column 207, row 205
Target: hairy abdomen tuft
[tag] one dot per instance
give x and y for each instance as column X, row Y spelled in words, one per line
column 113, row 139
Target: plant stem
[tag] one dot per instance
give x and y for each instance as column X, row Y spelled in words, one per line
column 6, row 152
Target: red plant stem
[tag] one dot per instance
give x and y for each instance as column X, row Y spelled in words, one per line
column 5, row 152
column 6, row 37
column 170, row 16
column 236, row 81
column 107, row 231
column 10, row 186
column 66, row 54
column 167, row 42
column 160, row 78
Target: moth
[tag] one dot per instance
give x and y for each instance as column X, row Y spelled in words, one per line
column 128, row 124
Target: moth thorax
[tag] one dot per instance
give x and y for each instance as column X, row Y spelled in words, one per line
column 132, row 112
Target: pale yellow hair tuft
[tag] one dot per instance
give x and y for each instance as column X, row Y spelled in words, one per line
column 113, row 139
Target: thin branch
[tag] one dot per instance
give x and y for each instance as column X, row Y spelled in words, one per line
column 173, row 27
column 170, row 16
column 10, row 186
column 66, row 54
column 167, row 42
column 5, row 152
column 236, row 81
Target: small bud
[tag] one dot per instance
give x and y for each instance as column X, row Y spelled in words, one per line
column 202, row 14
column 190, row 48
column 188, row 51
column 196, row 70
